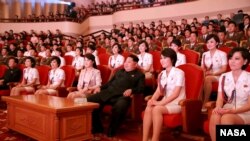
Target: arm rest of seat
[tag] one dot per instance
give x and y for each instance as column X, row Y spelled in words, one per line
column 136, row 106
column 71, row 89
column 191, row 115
column 62, row 91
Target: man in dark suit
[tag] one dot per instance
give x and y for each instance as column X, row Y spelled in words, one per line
column 12, row 74
column 117, row 92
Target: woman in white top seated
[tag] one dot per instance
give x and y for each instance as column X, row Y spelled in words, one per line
column 145, row 59
column 30, row 78
column 233, row 99
column 56, row 78
column 58, row 53
column 214, row 63
column 116, row 59
column 89, row 80
column 171, row 85
column 91, row 48
column 176, row 46
column 78, row 61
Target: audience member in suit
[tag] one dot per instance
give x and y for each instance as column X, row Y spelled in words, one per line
column 214, row 63
column 12, row 74
column 117, row 92
column 171, row 85
column 46, row 60
column 222, row 37
column 204, row 33
column 89, row 81
column 233, row 99
column 232, row 34
column 4, row 56
column 30, row 78
column 194, row 45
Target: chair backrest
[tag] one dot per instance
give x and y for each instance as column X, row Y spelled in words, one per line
column 191, row 56
column 104, row 58
column 69, row 75
column 156, row 61
column 194, row 77
column 68, row 59
column 105, row 73
column 43, row 71
column 225, row 49
column 101, row 50
column 21, row 67
column 3, row 68
column 125, row 54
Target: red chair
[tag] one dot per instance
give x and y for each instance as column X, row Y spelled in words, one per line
column 69, row 79
column 105, row 73
column 3, row 68
column 156, row 62
column 101, row 50
column 125, row 54
column 43, row 71
column 104, row 58
column 225, row 49
column 191, row 56
column 190, row 117
column 68, row 59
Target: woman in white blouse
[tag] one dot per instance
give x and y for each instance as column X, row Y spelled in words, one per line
column 89, row 81
column 58, row 53
column 176, row 46
column 30, row 78
column 171, row 85
column 233, row 99
column 78, row 61
column 56, row 78
column 214, row 63
column 145, row 59
column 116, row 59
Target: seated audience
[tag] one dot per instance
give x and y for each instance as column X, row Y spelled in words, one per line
column 56, row 78
column 214, row 63
column 78, row 61
column 12, row 74
column 116, row 59
column 233, row 99
column 117, row 92
column 89, row 81
column 171, row 85
column 145, row 59
column 176, row 46
column 30, row 78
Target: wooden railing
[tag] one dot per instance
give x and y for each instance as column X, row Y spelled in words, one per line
column 120, row 7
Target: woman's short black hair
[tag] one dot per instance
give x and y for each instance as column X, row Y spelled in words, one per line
column 92, row 47
column 32, row 60
column 213, row 36
column 57, row 59
column 169, row 52
column 119, row 47
column 92, row 58
column 177, row 42
column 244, row 53
column 146, row 45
